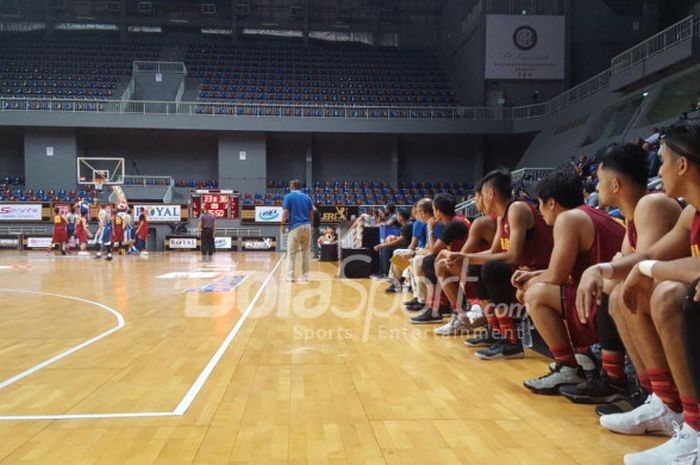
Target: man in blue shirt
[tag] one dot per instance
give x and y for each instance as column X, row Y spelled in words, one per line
column 422, row 211
column 297, row 216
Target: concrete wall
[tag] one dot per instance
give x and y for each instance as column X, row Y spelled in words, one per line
column 11, row 152
column 453, row 158
column 338, row 157
column 286, row 156
column 246, row 175
column 50, row 172
column 182, row 155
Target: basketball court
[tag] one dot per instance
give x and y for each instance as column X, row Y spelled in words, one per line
column 143, row 361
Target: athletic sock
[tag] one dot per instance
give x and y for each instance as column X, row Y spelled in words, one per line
column 663, row 386
column 564, row 355
column 644, row 381
column 691, row 414
column 507, row 327
column 614, row 367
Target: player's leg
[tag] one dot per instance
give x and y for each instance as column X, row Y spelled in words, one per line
column 545, row 305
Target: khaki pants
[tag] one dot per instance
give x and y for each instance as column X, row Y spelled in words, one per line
column 420, row 289
column 298, row 242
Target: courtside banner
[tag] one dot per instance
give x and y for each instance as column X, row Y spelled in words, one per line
column 188, row 243
column 38, row 242
column 525, row 47
column 223, row 243
column 268, row 214
column 159, row 213
column 20, row 212
column 258, row 244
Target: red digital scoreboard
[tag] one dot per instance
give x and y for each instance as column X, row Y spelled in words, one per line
column 223, row 204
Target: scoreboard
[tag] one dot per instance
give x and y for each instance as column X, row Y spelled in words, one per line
column 222, row 204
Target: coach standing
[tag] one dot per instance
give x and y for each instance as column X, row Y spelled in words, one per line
column 297, row 215
column 207, row 228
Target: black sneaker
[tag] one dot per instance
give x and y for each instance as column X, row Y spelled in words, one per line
column 415, row 307
column 377, row 276
column 596, row 390
column 485, row 339
column 413, row 301
column 426, row 318
column 622, row 406
column 502, row 350
column 391, row 289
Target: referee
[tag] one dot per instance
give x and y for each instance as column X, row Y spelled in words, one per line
column 206, row 230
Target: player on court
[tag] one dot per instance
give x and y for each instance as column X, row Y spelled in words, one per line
column 104, row 234
column 71, row 219
column 142, row 234
column 60, row 231
column 82, row 233
column 118, row 233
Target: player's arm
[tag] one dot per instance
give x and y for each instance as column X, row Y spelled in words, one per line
column 671, row 246
column 481, row 227
column 413, row 244
column 312, row 215
column 569, row 230
column 519, row 217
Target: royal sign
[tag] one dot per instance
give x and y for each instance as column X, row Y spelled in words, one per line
column 182, row 243
column 159, row 213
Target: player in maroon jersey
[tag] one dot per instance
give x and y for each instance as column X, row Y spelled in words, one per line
column 583, row 236
column 449, row 271
column 523, row 240
column 657, row 282
column 60, row 232
column 648, row 217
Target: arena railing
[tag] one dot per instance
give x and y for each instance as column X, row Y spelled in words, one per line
column 159, row 67
column 673, row 35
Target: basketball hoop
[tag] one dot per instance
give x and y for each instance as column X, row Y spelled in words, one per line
column 98, row 182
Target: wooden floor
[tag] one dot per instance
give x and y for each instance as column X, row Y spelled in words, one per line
column 324, row 373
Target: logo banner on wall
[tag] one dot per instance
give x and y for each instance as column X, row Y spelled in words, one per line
column 223, row 243
column 338, row 214
column 20, row 212
column 268, row 214
column 38, row 242
column 525, row 47
column 250, row 244
column 159, row 213
column 182, row 243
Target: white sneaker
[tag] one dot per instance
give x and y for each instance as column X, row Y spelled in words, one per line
column 682, row 445
column 476, row 317
column 289, row 279
column 455, row 326
column 304, row 279
column 551, row 382
column 652, row 417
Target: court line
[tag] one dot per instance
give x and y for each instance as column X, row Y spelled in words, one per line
column 204, row 375
column 64, row 354
column 192, row 392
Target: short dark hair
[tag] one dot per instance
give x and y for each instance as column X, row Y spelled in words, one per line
column 390, row 207
column 295, row 184
column 404, row 213
column 564, row 186
column 683, row 138
column 500, row 181
column 629, row 160
column 56, row 210
column 445, row 203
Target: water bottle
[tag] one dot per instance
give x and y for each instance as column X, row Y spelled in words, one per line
column 526, row 328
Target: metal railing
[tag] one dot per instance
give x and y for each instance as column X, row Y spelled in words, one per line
column 239, row 232
column 159, row 67
column 532, row 7
column 18, row 230
column 669, row 37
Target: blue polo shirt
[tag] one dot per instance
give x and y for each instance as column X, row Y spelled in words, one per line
column 298, row 205
column 420, row 232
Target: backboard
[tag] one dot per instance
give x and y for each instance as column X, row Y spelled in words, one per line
column 106, row 169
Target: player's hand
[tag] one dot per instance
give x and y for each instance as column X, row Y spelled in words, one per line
column 590, row 290
column 520, row 295
column 636, row 288
column 521, row 277
column 376, row 248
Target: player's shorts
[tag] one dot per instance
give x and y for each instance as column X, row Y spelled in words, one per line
column 106, row 237
column 118, row 235
column 582, row 335
column 81, row 236
column 59, row 236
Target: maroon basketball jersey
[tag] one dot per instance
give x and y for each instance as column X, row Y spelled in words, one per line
column 632, row 234
column 607, row 240
column 538, row 240
column 695, row 235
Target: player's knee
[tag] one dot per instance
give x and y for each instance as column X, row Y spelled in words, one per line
column 615, row 303
column 534, row 297
column 667, row 302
